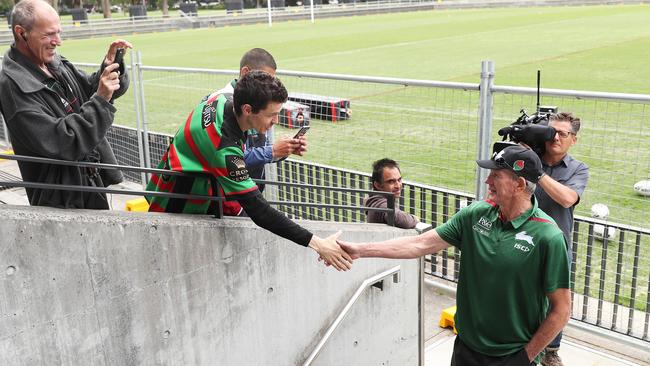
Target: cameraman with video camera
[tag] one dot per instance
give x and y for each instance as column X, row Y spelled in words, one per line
column 560, row 181
column 558, row 192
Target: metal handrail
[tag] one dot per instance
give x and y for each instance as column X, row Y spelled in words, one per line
column 367, row 283
column 390, row 210
column 67, row 187
column 87, row 164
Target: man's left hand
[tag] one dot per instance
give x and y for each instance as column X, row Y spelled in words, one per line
column 112, row 49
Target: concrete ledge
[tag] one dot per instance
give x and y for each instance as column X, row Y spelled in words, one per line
column 85, row 287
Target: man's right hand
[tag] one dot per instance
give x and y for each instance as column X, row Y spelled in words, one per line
column 285, row 147
column 350, row 248
column 331, row 252
column 109, row 82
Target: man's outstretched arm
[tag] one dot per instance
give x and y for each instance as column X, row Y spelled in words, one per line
column 399, row 248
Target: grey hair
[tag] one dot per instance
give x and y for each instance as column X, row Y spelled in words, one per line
column 23, row 15
column 530, row 186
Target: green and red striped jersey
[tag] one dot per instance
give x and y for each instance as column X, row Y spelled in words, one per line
column 209, row 141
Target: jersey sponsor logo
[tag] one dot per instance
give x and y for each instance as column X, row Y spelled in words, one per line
column 522, row 247
column 527, row 239
column 236, row 168
column 483, row 226
column 524, row 237
column 208, row 114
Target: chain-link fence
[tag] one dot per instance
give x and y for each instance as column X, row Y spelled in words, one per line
column 431, row 129
column 613, row 142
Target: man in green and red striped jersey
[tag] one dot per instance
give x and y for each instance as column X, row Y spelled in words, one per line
column 211, row 140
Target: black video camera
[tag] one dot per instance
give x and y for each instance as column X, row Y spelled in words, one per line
column 533, row 130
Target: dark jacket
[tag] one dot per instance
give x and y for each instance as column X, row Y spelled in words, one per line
column 402, row 219
column 39, row 125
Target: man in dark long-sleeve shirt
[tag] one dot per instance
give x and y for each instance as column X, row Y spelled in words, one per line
column 55, row 111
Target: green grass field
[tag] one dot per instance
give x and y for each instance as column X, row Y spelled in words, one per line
column 592, row 48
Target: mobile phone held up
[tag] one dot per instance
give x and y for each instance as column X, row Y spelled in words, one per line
column 119, row 59
column 301, row 132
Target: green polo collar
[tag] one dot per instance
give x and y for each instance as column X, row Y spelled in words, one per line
column 521, row 219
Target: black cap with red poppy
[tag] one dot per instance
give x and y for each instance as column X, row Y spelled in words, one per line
column 523, row 161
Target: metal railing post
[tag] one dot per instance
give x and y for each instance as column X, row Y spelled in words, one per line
column 135, row 77
column 390, row 204
column 145, row 125
column 271, row 171
column 421, row 339
column 484, row 123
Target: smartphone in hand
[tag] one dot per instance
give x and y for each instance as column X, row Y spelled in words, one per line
column 119, row 59
column 301, row 132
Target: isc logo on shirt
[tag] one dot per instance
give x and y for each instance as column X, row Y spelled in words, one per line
column 525, row 241
column 522, row 247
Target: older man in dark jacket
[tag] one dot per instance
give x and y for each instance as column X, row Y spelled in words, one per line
column 55, row 111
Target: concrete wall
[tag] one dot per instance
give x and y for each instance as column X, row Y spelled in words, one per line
column 109, row 288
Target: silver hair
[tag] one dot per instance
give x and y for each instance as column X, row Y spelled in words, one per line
column 24, row 15
column 530, row 186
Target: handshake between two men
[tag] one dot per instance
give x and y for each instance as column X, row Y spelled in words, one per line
column 334, row 252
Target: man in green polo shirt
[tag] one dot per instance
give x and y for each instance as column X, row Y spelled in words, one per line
column 513, row 263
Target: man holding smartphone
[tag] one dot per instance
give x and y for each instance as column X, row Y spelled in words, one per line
column 258, row 151
column 53, row 110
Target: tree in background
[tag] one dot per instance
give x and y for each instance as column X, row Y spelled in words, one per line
column 6, row 6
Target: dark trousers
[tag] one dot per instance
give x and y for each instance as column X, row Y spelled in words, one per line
column 464, row 356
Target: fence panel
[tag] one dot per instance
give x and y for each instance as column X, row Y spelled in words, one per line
column 430, row 131
column 613, row 142
column 610, row 276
